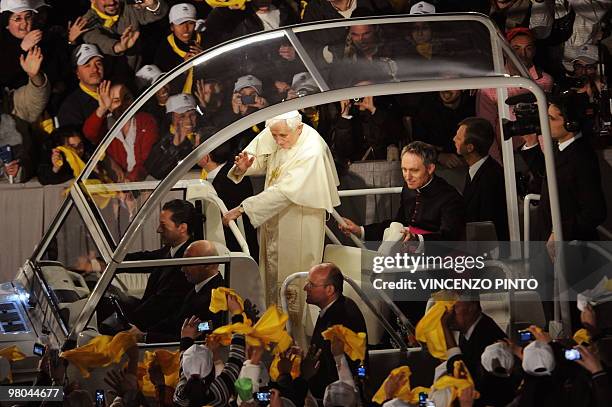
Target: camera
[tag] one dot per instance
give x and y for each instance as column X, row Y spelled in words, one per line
column 525, row 336
column 572, row 354
column 361, row 371
column 205, row 326
column 100, row 400
column 263, row 396
column 39, row 349
column 422, row 399
column 526, row 113
column 247, row 99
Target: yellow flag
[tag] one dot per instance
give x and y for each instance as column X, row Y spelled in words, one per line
column 354, row 343
column 429, row 329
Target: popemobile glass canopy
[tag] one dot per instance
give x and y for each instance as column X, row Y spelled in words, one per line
column 104, row 216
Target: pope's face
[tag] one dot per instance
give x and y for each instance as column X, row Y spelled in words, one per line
column 283, row 135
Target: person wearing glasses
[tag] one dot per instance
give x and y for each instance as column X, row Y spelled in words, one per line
column 324, row 289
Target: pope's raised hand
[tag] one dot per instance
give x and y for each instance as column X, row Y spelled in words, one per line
column 242, row 162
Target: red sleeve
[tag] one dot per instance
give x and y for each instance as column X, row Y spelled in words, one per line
column 94, row 128
column 147, row 137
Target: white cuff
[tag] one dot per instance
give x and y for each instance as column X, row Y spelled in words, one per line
column 362, row 237
column 454, row 351
column 156, row 8
column 525, row 147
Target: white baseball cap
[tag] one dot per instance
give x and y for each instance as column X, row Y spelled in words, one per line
column 339, row 393
column 589, row 54
column 198, row 359
column 422, row 7
column 85, row 52
column 538, row 359
column 303, row 81
column 148, row 74
column 180, row 103
column 497, row 359
column 179, row 13
column 248, row 81
column 17, row 6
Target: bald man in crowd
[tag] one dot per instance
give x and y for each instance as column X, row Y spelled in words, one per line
column 204, row 277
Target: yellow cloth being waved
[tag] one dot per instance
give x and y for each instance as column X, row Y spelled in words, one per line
column 429, row 329
column 268, row 330
column 109, row 21
column 169, row 363
column 459, row 381
column 218, row 299
column 295, row 367
column 189, row 81
column 404, row 393
column 12, row 353
column 582, row 336
column 354, row 343
column 101, row 351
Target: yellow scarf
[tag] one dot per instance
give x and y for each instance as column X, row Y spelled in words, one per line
column 227, row 3
column 354, row 343
column 90, row 92
column 190, row 136
column 459, row 381
column 218, row 299
column 404, row 393
column 189, row 81
column 109, row 21
column 12, row 354
column 102, row 198
column 295, row 367
column 582, row 336
column 429, row 329
column 426, row 50
column 101, row 351
column 169, row 363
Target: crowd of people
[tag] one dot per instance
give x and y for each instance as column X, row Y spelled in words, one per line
column 71, row 69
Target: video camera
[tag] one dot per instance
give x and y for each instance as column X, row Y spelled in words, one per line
column 526, row 113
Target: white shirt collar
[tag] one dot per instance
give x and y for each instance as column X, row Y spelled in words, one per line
column 323, row 310
column 470, row 331
column 566, row 143
column 199, row 285
column 476, row 166
column 174, row 249
column 425, row 186
column 213, row 173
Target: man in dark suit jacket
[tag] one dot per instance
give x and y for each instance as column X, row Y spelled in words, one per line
column 484, row 192
column 167, row 286
column 581, row 198
column 231, row 194
column 324, row 289
column 205, row 278
column 431, row 209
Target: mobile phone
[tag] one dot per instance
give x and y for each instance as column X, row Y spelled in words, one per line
column 247, row 99
column 39, row 349
column 100, row 399
column 525, row 336
column 205, row 326
column 572, row 354
column 422, row 399
column 262, row 396
column 6, row 154
column 361, row 371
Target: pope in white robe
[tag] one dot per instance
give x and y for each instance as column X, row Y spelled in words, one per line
column 290, row 213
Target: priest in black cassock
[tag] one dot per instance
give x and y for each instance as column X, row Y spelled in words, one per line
column 430, row 209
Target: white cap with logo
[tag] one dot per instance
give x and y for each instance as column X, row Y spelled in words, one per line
column 422, row 7
column 17, row 6
column 497, row 359
column 149, row 74
column 198, row 360
column 85, row 52
column 588, row 53
column 179, row 13
column 180, row 103
column 248, row 81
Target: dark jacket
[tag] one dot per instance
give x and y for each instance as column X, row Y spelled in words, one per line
column 485, row 197
column 345, row 312
column 166, row 289
column 76, row 108
column 583, row 206
column 164, row 156
column 195, row 303
column 441, row 212
column 232, row 196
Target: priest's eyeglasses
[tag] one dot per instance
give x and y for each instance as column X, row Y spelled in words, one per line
column 309, row 285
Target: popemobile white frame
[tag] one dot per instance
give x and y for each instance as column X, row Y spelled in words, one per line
column 113, row 255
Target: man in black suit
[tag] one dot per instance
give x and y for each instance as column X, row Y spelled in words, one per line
column 167, row 286
column 476, row 331
column 581, row 198
column 205, row 278
column 484, row 192
column 324, row 289
column 231, row 194
column 430, row 209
